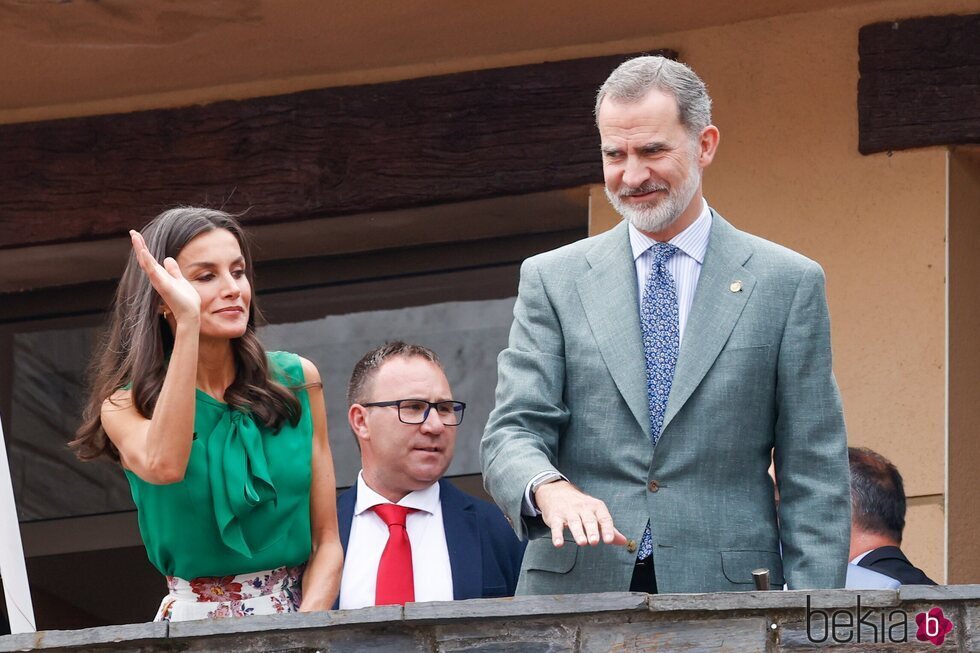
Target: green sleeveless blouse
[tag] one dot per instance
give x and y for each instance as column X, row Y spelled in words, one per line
column 244, row 503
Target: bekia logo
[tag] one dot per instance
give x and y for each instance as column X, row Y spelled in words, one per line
column 843, row 626
column 933, row 626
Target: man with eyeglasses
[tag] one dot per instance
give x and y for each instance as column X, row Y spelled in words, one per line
column 408, row 534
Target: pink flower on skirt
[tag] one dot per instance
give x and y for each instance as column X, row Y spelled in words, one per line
column 215, row 588
column 231, row 609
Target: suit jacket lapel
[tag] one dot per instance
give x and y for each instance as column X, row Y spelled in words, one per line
column 345, row 514
column 715, row 311
column 609, row 295
column 463, row 542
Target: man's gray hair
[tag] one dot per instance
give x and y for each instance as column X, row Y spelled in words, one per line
column 634, row 78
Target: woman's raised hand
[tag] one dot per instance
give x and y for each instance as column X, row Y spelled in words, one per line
column 178, row 293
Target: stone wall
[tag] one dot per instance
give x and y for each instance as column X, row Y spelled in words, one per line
column 739, row 622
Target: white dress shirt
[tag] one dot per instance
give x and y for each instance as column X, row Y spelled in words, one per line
column 684, row 266
column 369, row 534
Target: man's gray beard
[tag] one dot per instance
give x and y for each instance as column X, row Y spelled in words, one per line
column 657, row 217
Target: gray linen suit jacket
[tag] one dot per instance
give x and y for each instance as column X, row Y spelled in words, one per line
column 753, row 374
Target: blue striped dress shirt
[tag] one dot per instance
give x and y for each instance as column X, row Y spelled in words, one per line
column 684, row 266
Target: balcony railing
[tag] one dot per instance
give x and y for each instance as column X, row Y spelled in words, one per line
column 741, row 622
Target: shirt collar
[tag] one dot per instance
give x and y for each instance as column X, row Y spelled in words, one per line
column 426, row 500
column 693, row 241
column 858, row 558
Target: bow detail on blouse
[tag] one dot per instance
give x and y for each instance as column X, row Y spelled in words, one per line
column 240, row 481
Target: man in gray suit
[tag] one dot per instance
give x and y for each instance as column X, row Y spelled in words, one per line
column 652, row 369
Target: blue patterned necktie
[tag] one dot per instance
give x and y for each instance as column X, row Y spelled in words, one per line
column 660, row 323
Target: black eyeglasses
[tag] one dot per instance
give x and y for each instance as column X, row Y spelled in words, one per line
column 416, row 411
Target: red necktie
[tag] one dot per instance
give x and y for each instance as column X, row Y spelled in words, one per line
column 396, row 583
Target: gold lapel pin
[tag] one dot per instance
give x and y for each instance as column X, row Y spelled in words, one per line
column 736, row 286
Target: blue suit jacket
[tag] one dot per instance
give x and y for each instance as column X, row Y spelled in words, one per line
column 484, row 554
column 890, row 561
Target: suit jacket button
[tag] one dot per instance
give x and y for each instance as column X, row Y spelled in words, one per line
column 653, row 486
column 631, row 546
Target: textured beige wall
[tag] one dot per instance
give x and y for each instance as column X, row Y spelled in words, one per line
column 788, row 169
column 924, row 544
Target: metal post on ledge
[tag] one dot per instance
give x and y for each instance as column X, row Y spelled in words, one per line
column 761, row 578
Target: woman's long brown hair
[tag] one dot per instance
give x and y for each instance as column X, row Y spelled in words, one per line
column 135, row 346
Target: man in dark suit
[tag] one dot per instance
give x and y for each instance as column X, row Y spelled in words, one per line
column 878, row 518
column 408, row 534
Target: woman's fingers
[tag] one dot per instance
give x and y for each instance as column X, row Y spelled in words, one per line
column 170, row 265
column 160, row 276
column 143, row 256
column 139, row 245
column 177, row 293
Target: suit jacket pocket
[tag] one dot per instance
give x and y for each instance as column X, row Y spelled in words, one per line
column 738, row 566
column 742, row 353
column 541, row 555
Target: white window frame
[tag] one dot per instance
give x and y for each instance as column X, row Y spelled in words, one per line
column 13, row 567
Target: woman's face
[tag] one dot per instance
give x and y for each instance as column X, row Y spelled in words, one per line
column 213, row 263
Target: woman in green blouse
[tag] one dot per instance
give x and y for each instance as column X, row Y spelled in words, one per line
column 224, row 445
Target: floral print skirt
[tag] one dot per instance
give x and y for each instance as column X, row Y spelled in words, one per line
column 244, row 595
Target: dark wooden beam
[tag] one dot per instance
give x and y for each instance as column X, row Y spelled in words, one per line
column 919, row 84
column 322, row 153
column 288, row 287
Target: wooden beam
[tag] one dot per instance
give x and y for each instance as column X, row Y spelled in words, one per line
column 336, row 151
column 919, row 84
column 288, row 285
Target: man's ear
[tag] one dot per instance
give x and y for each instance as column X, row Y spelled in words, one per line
column 707, row 145
column 357, row 418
